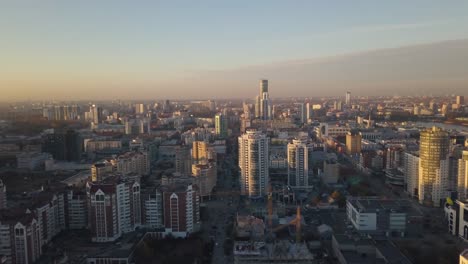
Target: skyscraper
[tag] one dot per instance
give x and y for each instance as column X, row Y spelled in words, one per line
column 221, row 125
column 308, row 111
column 353, row 142
column 433, row 166
column 183, row 161
column 460, row 99
column 139, row 108
column 298, row 163
column 263, row 86
column 262, row 102
column 95, row 114
column 253, row 163
column 303, row 112
column 348, row 98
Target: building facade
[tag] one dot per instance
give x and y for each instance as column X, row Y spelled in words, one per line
column 353, row 143
column 221, row 126
column 181, row 209
column 253, row 163
column 114, row 208
column 298, row 163
column 462, row 179
column 433, row 166
column 411, row 173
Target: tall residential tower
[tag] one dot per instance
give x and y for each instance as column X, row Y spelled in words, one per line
column 433, row 166
column 298, row 163
column 253, row 163
column 221, row 126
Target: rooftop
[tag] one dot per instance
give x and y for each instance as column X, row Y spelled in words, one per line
column 375, row 204
column 464, row 254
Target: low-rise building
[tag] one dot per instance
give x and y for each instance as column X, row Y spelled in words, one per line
column 32, row 160
column 331, row 172
column 96, row 145
column 358, row 250
column 375, row 215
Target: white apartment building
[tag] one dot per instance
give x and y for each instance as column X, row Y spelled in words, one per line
column 411, row 172
column 253, row 163
column 326, row 130
column 152, row 209
column 298, row 163
column 133, row 163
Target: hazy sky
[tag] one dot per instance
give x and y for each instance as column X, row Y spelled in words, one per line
column 69, row 49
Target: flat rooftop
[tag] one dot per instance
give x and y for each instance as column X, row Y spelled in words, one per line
column 374, row 204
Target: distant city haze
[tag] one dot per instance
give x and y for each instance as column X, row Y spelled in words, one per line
column 82, row 50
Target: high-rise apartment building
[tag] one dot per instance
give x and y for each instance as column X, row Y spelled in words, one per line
column 462, row 179
column 309, row 107
column 411, row 173
column 152, row 211
column 114, row 208
column 253, row 163
column 298, row 163
column 433, row 166
column 460, row 100
column 221, row 125
column 20, row 237
column 303, row 115
column 348, row 98
column 353, row 142
column 181, row 205
column 76, row 209
column 183, row 162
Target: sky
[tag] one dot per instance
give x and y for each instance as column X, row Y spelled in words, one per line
column 109, row 49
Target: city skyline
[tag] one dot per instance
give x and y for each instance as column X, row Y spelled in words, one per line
column 163, row 50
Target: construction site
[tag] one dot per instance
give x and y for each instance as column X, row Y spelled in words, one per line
column 264, row 233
